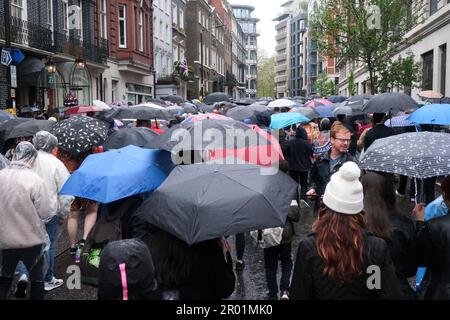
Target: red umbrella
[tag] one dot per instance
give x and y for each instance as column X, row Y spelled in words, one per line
column 83, row 109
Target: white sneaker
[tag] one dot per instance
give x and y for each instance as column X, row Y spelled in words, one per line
column 55, row 283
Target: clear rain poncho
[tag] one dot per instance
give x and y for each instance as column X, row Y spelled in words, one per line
column 45, row 141
column 25, row 154
column 3, row 162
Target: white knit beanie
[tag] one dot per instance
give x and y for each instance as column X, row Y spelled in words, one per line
column 344, row 192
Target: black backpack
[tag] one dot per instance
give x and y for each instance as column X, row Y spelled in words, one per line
column 111, row 226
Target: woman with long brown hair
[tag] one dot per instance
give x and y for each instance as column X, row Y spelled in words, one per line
column 385, row 221
column 340, row 259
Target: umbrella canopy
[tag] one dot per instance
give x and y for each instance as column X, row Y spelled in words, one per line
column 117, row 174
column 241, row 113
column 217, row 97
column 281, row 103
column 246, row 102
column 154, row 101
column 438, row 114
column 218, row 139
column 7, row 126
column 399, row 121
column 143, row 112
column 175, row 109
column 189, row 108
column 282, row 120
column 445, row 100
column 417, row 154
column 174, row 99
column 204, row 201
column 5, row 116
column 336, row 99
column 356, row 103
column 430, row 94
column 83, row 109
column 139, row 137
column 325, row 111
column 29, row 110
column 317, row 102
column 201, row 117
column 101, row 104
column 307, row 112
column 80, row 133
column 30, row 128
column 392, row 102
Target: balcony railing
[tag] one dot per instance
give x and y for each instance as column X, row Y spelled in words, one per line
column 27, row 34
column 76, row 47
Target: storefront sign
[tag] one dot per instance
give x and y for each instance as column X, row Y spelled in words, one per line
column 13, row 76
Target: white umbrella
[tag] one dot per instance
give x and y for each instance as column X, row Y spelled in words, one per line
column 150, row 105
column 101, row 104
column 280, row 103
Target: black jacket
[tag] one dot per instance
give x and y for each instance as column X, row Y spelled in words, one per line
column 320, row 172
column 299, row 152
column 402, row 247
column 309, row 282
column 378, row 132
column 433, row 252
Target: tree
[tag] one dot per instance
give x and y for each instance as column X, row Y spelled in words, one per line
column 351, row 84
column 367, row 31
column 266, row 76
column 403, row 73
column 324, row 86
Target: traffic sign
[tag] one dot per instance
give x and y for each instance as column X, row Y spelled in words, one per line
column 6, row 57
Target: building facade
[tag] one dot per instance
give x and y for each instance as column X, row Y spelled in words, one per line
column 429, row 45
column 64, row 53
column 179, row 40
column 130, row 76
column 298, row 29
column 243, row 14
column 282, row 54
column 238, row 63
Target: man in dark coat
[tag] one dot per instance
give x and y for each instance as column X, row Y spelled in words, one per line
column 299, row 153
column 379, row 130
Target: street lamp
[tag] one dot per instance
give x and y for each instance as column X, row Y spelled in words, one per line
column 51, row 68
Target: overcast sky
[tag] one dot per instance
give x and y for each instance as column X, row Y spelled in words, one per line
column 266, row 11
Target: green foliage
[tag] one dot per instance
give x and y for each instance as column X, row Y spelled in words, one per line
column 351, row 84
column 349, row 30
column 324, row 86
column 266, row 77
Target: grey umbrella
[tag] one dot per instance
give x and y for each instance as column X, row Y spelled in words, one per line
column 143, row 112
column 241, row 113
column 30, row 128
column 417, row 154
column 217, row 97
column 307, row 112
column 357, row 102
column 189, row 108
column 174, row 99
column 139, row 137
column 206, row 201
column 175, row 109
column 392, row 102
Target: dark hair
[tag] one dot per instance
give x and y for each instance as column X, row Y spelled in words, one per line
column 284, row 165
column 379, row 202
column 445, row 187
column 325, row 124
column 340, row 243
column 377, row 118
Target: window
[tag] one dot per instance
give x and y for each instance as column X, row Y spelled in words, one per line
column 427, row 72
column 167, row 34
column 182, row 54
column 200, row 17
column 65, row 7
column 181, row 21
column 443, row 50
column 141, row 30
column 175, row 53
column 174, row 14
column 50, row 14
column 103, row 17
column 16, row 8
column 122, row 26
column 433, row 6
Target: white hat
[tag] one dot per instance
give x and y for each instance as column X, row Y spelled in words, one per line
column 344, row 192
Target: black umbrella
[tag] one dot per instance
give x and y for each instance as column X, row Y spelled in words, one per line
column 241, row 113
column 417, row 154
column 80, row 133
column 139, row 137
column 393, row 102
column 217, row 97
column 205, row 201
column 143, row 112
column 174, row 99
column 175, row 109
column 6, row 127
column 30, row 128
column 357, row 102
column 29, row 110
column 336, row 99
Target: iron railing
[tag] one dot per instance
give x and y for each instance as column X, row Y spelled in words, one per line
column 76, row 47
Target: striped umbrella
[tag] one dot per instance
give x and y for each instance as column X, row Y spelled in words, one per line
column 417, row 154
column 399, row 122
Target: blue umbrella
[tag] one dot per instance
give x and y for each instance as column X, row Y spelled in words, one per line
column 5, row 116
column 336, row 99
column 325, row 111
column 117, row 174
column 282, row 120
column 438, row 114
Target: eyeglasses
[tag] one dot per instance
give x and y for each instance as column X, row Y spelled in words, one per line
column 343, row 140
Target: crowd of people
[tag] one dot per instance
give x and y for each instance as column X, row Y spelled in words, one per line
column 358, row 225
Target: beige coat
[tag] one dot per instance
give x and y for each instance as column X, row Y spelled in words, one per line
column 24, row 203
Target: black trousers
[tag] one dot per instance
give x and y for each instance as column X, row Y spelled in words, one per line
column 302, row 178
column 33, row 258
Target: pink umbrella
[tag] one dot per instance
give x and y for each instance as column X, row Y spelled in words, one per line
column 200, row 117
column 318, row 102
column 83, row 109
